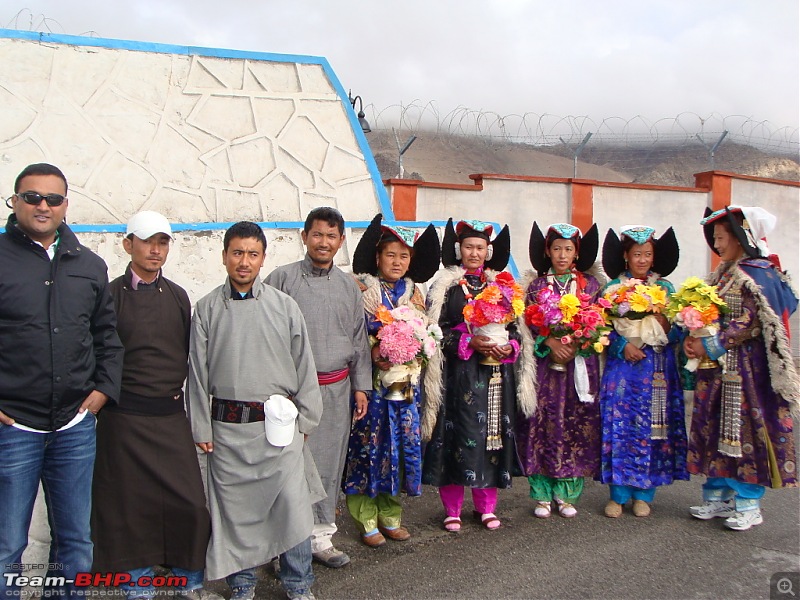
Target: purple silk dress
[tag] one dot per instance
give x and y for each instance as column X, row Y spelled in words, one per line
column 767, row 438
column 562, row 439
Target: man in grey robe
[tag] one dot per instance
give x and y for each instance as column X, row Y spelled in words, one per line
column 248, row 342
column 334, row 312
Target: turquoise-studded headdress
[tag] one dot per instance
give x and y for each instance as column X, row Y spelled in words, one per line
column 499, row 247
column 425, row 259
column 641, row 234
column 665, row 249
column 586, row 245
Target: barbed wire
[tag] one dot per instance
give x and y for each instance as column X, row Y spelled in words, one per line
column 40, row 22
column 548, row 130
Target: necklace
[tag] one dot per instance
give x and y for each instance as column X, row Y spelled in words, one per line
column 469, row 289
column 563, row 288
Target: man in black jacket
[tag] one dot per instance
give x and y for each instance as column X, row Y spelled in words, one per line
column 60, row 362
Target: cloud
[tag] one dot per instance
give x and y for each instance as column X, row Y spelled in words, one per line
column 603, row 59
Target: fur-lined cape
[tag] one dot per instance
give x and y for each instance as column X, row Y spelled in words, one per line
column 424, row 263
column 783, row 374
column 665, row 249
column 525, row 368
column 433, row 383
column 587, row 248
column 371, row 289
column 501, row 248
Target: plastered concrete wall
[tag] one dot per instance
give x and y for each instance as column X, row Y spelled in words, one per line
column 682, row 210
column 202, row 136
column 516, row 203
column 195, row 258
column 784, row 202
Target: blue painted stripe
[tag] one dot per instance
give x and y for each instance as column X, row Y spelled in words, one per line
column 75, row 40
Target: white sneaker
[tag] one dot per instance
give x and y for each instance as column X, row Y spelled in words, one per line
column 744, row 520
column 713, row 508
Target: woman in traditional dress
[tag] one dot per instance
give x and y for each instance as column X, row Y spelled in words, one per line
column 641, row 400
column 741, row 432
column 559, row 444
column 384, row 456
column 469, row 405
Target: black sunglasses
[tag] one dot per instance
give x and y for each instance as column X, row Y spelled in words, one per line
column 35, row 198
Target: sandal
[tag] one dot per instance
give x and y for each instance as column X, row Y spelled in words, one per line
column 452, row 524
column 566, row 510
column 488, row 520
column 542, row 510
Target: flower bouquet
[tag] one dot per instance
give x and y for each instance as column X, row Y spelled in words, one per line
column 696, row 307
column 407, row 342
column 631, row 310
column 500, row 302
column 570, row 318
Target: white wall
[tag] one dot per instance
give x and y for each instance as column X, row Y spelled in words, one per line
column 202, row 136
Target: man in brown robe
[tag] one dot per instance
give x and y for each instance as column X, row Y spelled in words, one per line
column 149, row 507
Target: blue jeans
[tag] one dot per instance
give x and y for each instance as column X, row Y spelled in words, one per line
column 296, row 574
column 63, row 461
column 194, row 581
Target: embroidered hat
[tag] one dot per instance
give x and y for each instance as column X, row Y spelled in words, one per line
column 280, row 415
column 665, row 249
column 406, row 235
column 757, row 223
column 640, row 234
column 147, row 223
column 471, row 228
column 425, row 259
column 499, row 248
column 586, row 245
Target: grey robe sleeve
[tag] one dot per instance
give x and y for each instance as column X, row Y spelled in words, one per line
column 308, row 397
column 361, row 365
column 198, row 400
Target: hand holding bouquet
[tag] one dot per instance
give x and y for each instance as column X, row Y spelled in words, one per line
column 570, row 318
column 407, row 342
column 696, row 307
column 498, row 304
column 632, row 310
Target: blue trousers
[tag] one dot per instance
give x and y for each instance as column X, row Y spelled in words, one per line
column 622, row 493
column 746, row 496
column 63, row 461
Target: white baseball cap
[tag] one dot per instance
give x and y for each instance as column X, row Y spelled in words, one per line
column 280, row 414
column 148, row 223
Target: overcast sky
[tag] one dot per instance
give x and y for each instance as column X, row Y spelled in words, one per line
column 609, row 58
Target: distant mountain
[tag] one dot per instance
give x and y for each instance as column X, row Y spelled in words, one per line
column 444, row 158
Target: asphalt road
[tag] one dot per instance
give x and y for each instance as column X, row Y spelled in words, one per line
column 666, row 555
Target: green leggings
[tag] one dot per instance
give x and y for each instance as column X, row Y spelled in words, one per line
column 384, row 510
column 546, row 489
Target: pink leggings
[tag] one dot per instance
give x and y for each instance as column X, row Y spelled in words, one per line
column 484, row 499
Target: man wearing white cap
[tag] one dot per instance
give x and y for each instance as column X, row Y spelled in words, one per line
column 253, row 396
column 149, row 506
